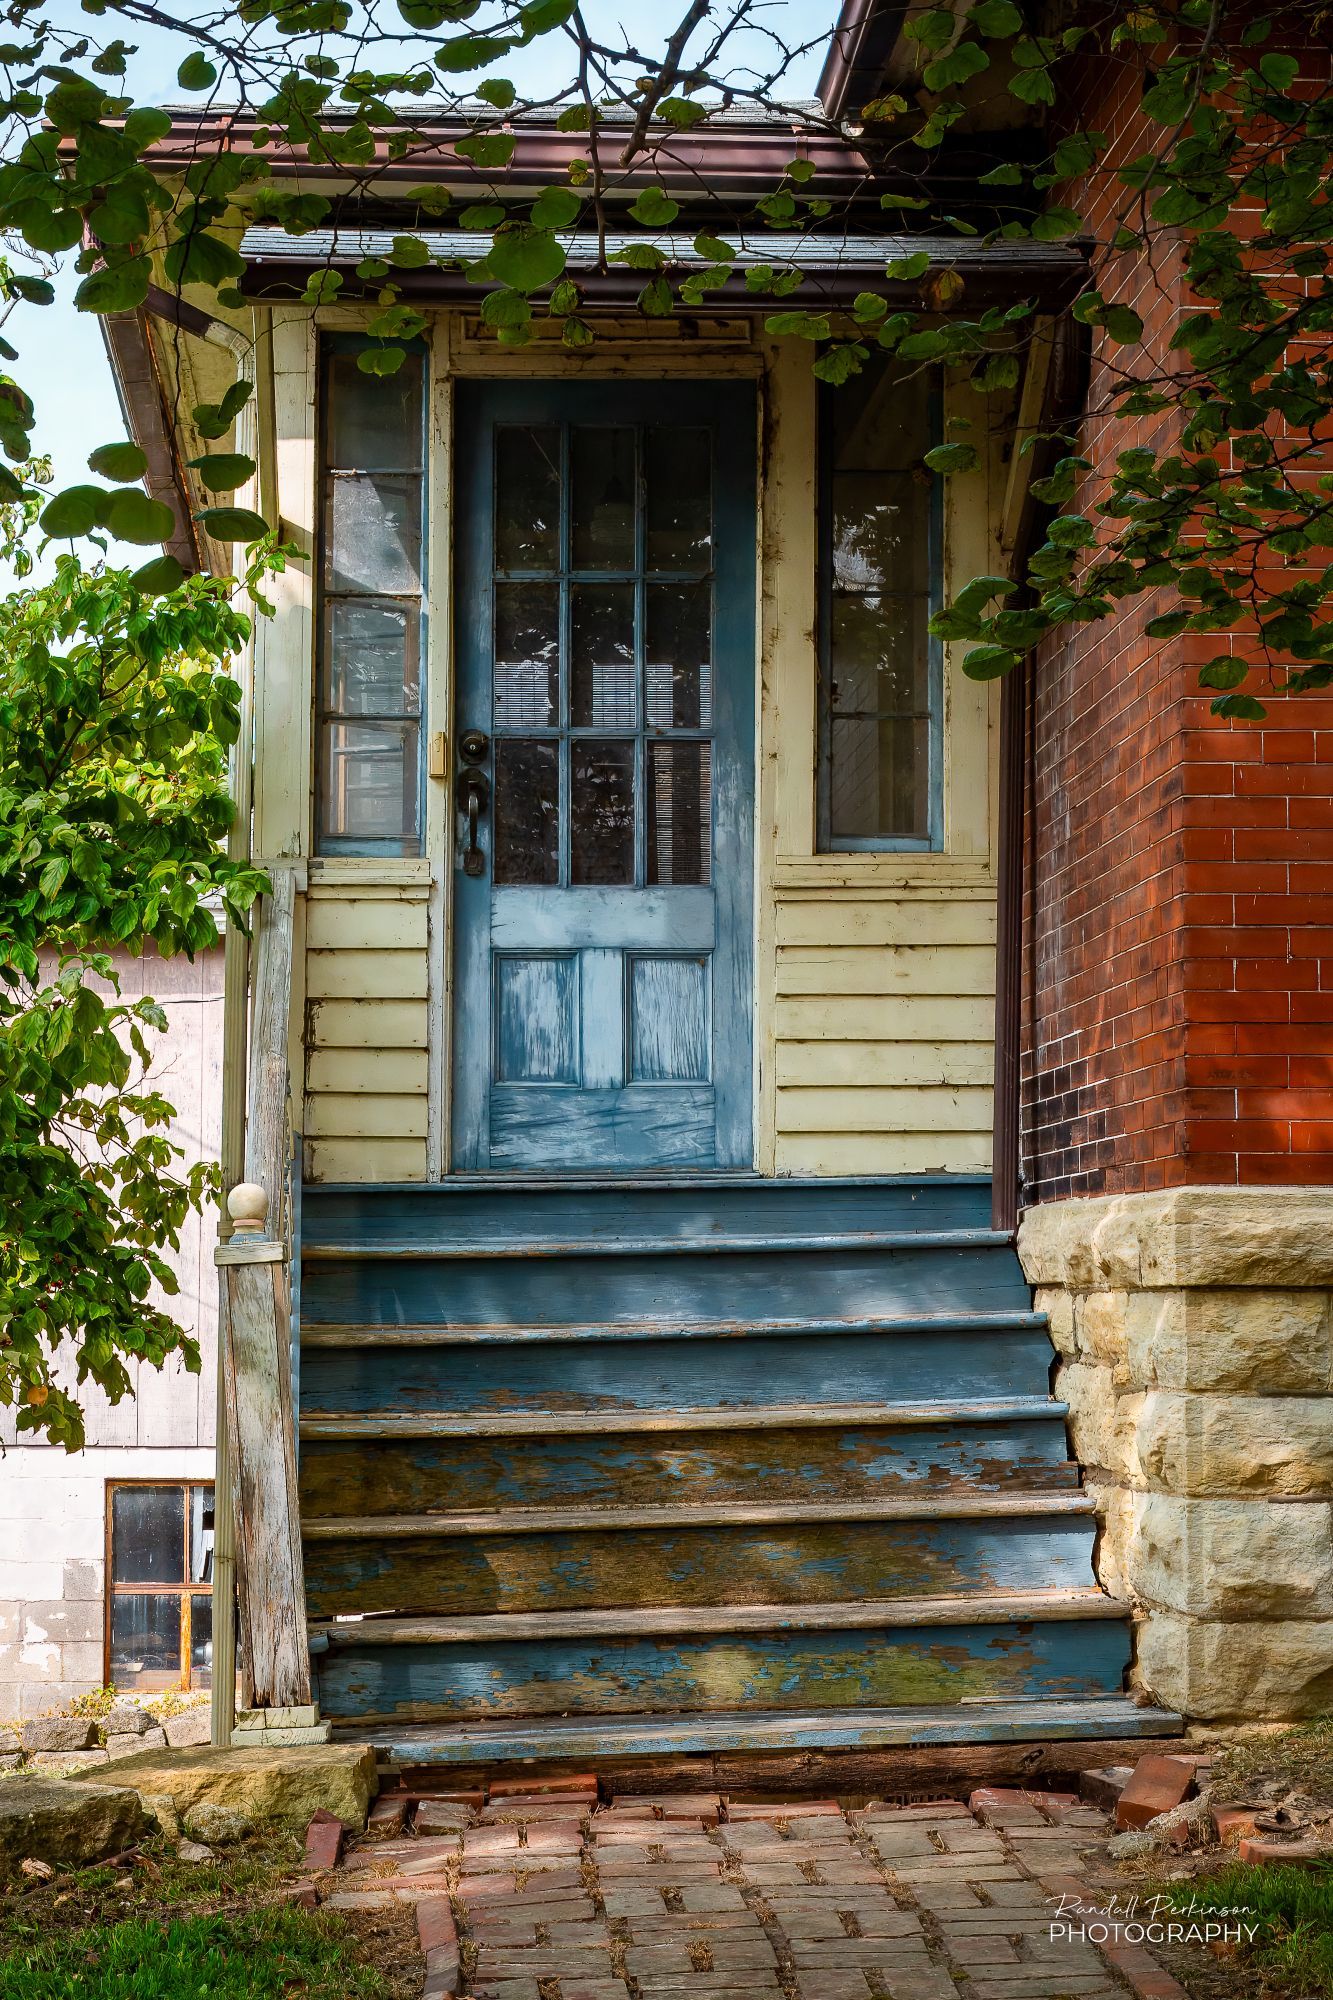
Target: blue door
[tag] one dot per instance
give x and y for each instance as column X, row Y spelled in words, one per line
column 603, row 776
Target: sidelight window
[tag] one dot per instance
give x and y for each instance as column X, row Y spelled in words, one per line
column 880, row 679
column 160, row 1586
column 372, row 606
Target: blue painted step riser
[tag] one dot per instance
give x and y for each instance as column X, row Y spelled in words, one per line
column 739, row 1289
column 813, row 1563
column 666, row 1467
column 797, row 1671
column 666, row 1374
column 448, row 1213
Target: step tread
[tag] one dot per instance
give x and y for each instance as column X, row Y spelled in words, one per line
column 701, row 1417
column 961, row 1505
column 536, row 1245
column 994, row 1608
column 1092, row 1718
column 330, row 1333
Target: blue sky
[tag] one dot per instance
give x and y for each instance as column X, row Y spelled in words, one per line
column 62, row 363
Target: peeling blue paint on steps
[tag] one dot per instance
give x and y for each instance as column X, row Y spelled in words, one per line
column 624, row 1450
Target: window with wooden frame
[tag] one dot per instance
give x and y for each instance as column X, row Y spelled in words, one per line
column 880, row 564
column 368, row 703
column 159, row 1594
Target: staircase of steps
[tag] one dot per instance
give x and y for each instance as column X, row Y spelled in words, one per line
column 698, row 1463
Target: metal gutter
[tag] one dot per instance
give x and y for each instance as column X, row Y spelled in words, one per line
column 858, row 54
column 128, row 338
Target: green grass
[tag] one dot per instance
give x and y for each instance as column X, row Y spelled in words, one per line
column 1293, row 1908
column 1300, row 1757
column 276, row 1952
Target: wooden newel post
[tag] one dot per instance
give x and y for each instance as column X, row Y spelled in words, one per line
column 255, row 1314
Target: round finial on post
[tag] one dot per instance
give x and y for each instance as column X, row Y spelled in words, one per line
column 247, row 1205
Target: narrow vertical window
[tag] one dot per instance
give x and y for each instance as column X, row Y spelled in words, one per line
column 368, row 697
column 879, row 554
column 160, row 1586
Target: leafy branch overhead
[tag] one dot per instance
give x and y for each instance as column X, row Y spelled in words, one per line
column 1218, row 522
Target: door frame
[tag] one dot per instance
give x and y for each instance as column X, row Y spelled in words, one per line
column 461, row 533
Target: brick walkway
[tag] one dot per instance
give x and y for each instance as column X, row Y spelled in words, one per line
column 546, row 1899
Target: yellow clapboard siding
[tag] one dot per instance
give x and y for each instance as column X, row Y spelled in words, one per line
column 379, row 975
column 369, row 1024
column 909, row 1018
column 884, row 1110
column 362, row 923
column 366, row 1159
column 886, row 969
column 883, row 1153
column 350, row 1115
column 825, row 1065
column 835, row 921
column 389, row 1072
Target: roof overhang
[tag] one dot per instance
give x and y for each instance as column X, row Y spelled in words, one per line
column 859, row 50
column 833, row 269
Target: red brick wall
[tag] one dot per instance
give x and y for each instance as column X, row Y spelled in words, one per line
column 1178, row 950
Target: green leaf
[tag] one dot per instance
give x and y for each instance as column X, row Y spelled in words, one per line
column 988, row 663
column 1005, row 175
column 10, row 487
column 377, row 361
column 655, row 299
column 996, row 17
column 482, row 215
column 234, row 524
column 838, row 364
column 1054, row 223
column 1279, row 72
column 682, row 112
column 118, row 288
column 1167, row 626
column 505, row 309
column 713, row 249
column 953, row 458
column 1243, row 707
column 213, row 420
column 1224, row 672
column 196, row 72
column 488, row 149
column 201, row 258
column 465, row 52
column 223, row 471
column 118, row 461
column 540, row 16
column 497, row 90
column 914, row 266
column 46, row 228
column 967, row 60
column 132, row 517
column 409, row 253
column 525, row 258
column 73, row 513
column 654, row 209
column 1123, row 324
column 156, row 578
column 555, row 208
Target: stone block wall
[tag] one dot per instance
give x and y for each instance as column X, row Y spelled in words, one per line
column 53, row 1564
column 1195, row 1337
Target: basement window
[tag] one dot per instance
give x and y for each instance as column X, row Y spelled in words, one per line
column 368, row 743
column 880, row 567
column 159, row 1565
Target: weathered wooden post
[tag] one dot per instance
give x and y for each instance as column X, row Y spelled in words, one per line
column 256, row 1318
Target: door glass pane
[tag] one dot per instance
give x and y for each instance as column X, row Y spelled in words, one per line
column 602, row 812
column 369, row 780
column 371, row 659
column 527, row 655
column 527, row 811
column 879, row 531
column 527, row 496
column 146, row 1639
column 201, row 1640
column 678, row 499
column 678, row 674
column 603, row 693
column 374, row 534
column 680, row 812
column 880, row 775
column 201, row 1534
column 148, row 1534
column 374, row 421
column 601, row 471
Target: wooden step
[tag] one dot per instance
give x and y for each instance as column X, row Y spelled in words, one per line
column 557, row 1560
column 960, row 1506
column 647, row 1246
column 832, row 1656
column 439, row 1333
column 554, row 1739
column 386, row 1424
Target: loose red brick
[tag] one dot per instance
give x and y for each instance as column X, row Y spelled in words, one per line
column 435, row 1923
column 1233, row 1823
column 1297, row 1853
column 1155, row 1786
column 387, row 1818
column 324, row 1841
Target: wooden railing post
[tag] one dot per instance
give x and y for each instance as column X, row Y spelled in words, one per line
column 256, row 1315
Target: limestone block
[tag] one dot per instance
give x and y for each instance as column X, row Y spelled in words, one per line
column 1099, row 1318
column 129, row 1744
column 1115, row 1515
column 1185, row 1236
column 1232, row 1559
column 1278, row 1671
column 281, row 1739
column 61, row 1761
column 1058, row 1306
column 66, row 1824
column 190, row 1729
column 1102, row 1421
column 59, row 1732
column 10, row 1759
column 1280, row 1446
column 1238, row 1340
column 261, row 1784
column 9, row 1741
column 126, row 1718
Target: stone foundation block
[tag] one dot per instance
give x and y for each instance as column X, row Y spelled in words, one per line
column 1231, row 1559
column 262, row 1784
column 1223, row 1672
column 1279, row 1447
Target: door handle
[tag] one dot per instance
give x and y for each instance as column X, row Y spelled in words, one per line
column 474, row 797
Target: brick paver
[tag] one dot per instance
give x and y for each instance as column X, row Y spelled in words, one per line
column 549, row 1896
